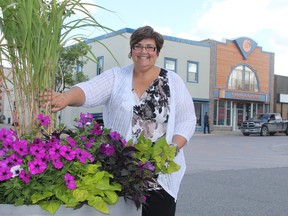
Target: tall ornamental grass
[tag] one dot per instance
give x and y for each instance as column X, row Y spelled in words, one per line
column 33, row 35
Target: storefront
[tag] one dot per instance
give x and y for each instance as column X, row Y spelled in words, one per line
column 243, row 82
column 230, row 113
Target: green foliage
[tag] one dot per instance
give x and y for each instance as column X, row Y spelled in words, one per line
column 70, row 60
column 159, row 153
column 92, row 184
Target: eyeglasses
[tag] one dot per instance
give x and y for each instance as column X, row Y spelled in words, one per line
column 148, row 48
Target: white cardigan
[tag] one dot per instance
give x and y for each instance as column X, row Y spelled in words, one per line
column 113, row 89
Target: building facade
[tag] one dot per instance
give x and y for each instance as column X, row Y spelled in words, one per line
column 241, row 81
column 281, row 95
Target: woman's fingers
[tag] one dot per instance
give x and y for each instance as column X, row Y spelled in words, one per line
column 52, row 99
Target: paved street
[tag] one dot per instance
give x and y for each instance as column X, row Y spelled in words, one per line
column 232, row 175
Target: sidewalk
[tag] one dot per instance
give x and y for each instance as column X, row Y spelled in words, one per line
column 4, row 125
column 219, row 133
column 197, row 133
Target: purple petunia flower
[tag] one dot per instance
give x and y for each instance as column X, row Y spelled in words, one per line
column 57, row 163
column 2, row 153
column 124, row 142
column 71, row 141
column 54, row 151
column 7, row 137
column 96, row 129
column 14, row 160
column 53, row 141
column 4, row 164
column 43, row 120
column 84, row 119
column 38, row 141
column 114, row 135
column 148, row 165
column 37, row 166
column 37, row 150
column 21, row 147
column 68, row 153
column 70, row 181
column 24, row 176
column 89, row 143
column 5, row 173
column 82, row 155
column 107, row 149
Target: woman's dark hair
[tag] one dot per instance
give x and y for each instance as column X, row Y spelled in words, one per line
column 146, row 32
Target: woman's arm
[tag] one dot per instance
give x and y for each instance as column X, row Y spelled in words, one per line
column 58, row 101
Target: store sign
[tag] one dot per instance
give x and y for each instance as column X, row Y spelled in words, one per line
column 245, row 96
column 246, row 46
column 283, row 98
column 242, row 96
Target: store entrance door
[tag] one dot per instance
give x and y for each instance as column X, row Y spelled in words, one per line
column 239, row 112
column 239, row 118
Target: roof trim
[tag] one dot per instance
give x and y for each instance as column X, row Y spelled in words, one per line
column 130, row 30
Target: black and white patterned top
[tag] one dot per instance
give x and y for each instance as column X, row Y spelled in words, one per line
column 151, row 111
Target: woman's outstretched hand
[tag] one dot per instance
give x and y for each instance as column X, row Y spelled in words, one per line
column 56, row 100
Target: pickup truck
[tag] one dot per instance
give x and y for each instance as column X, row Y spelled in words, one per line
column 265, row 124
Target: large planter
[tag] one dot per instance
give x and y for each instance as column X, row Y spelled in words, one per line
column 121, row 208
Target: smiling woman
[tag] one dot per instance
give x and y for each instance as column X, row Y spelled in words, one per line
column 142, row 100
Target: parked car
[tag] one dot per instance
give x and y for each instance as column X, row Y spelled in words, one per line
column 265, row 124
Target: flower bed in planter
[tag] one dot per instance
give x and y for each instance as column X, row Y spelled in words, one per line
column 89, row 165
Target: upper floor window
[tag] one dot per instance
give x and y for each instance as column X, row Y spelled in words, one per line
column 100, row 65
column 243, row 78
column 170, row 64
column 192, row 71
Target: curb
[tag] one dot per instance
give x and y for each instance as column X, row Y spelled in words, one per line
column 219, row 133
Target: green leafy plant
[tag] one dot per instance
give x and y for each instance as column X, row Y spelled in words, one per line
column 34, row 34
column 159, row 153
column 88, row 165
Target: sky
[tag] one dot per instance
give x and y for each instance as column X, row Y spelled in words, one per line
column 261, row 20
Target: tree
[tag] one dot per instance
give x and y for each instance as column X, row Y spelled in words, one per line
column 70, row 67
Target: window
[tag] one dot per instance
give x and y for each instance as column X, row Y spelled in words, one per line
column 250, row 80
column 243, row 78
column 170, row 64
column 260, row 108
column 192, row 71
column 100, row 65
column 221, row 112
column 229, row 113
column 79, row 68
